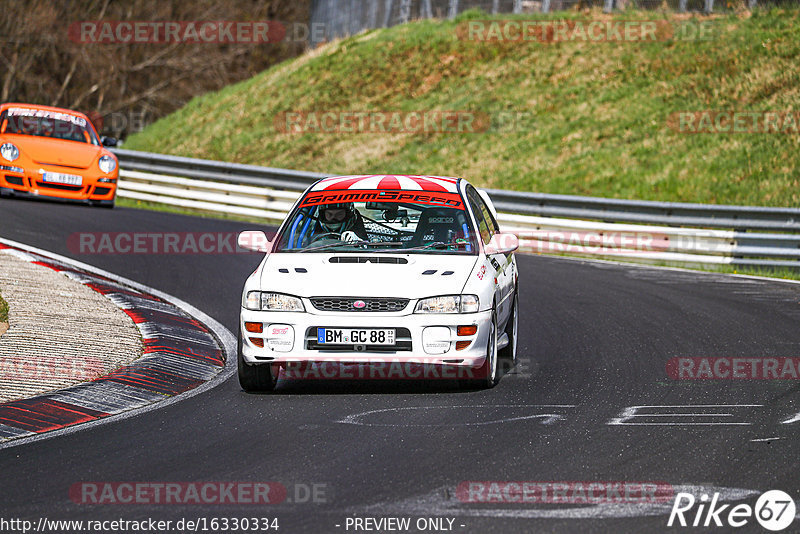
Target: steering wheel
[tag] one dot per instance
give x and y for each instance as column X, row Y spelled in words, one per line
column 323, row 236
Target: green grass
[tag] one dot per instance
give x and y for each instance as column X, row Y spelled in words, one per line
column 3, row 310
column 596, row 113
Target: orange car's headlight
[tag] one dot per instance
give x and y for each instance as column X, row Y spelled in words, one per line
column 107, row 164
column 9, row 151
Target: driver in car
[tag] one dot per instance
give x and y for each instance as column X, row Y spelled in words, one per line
column 341, row 219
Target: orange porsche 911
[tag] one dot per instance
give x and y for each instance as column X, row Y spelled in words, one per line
column 54, row 152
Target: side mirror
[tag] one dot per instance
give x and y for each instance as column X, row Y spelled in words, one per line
column 254, row 240
column 502, row 244
column 108, row 141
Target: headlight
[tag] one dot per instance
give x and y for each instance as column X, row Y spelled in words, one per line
column 449, row 304
column 9, row 151
column 107, row 164
column 257, row 300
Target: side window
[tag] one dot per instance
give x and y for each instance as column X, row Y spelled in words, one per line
column 487, row 214
column 480, row 210
column 494, row 228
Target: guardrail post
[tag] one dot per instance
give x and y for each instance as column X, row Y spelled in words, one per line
column 452, row 9
column 495, row 6
column 517, row 6
column 609, row 6
column 545, row 6
column 682, row 6
column 709, row 7
column 751, row 5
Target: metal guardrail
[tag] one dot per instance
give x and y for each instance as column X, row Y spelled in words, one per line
column 635, row 230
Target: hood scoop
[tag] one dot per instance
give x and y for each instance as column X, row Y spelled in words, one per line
column 368, row 259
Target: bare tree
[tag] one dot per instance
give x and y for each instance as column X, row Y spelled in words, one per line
column 44, row 61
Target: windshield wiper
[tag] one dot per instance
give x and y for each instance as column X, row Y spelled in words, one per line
column 437, row 245
column 323, row 247
column 353, row 244
column 381, row 243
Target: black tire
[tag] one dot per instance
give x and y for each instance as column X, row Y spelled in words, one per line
column 108, row 204
column 255, row 378
column 509, row 353
column 485, row 376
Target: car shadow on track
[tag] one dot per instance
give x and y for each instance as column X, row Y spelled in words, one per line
column 380, row 384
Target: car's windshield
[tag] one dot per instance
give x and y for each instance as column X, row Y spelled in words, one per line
column 45, row 123
column 379, row 221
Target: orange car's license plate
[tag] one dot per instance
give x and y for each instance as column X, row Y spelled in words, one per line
column 62, row 178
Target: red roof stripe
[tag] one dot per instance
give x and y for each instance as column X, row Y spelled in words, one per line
column 389, row 182
column 427, row 185
column 345, row 184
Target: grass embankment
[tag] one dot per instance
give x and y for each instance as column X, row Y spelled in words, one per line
column 596, row 113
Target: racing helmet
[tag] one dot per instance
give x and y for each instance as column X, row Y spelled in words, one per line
column 29, row 125
column 47, row 127
column 336, row 217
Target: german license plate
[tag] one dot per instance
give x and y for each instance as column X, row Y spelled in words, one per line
column 62, row 178
column 355, row 336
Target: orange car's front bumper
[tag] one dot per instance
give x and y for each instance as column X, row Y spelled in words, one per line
column 31, row 183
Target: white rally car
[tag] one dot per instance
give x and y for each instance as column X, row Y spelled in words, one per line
column 382, row 269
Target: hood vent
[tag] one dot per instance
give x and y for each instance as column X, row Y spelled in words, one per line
column 368, row 259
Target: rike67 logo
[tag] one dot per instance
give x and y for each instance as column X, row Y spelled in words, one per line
column 774, row 510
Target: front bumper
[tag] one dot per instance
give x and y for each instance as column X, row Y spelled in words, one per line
column 29, row 183
column 294, row 344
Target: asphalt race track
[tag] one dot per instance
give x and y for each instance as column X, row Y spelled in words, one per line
column 595, row 342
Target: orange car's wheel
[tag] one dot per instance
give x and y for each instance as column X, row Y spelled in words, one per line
column 109, row 204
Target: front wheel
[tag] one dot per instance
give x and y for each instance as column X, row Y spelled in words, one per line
column 256, row 378
column 485, row 376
